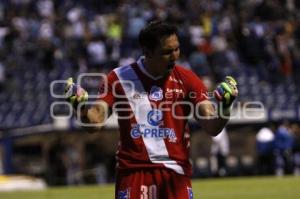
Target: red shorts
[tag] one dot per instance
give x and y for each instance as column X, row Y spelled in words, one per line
column 152, row 184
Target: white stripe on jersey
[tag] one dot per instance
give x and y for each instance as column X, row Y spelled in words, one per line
column 155, row 146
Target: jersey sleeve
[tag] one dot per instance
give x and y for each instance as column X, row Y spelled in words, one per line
column 197, row 91
column 105, row 91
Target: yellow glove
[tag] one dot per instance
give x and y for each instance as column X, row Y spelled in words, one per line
column 225, row 93
column 75, row 94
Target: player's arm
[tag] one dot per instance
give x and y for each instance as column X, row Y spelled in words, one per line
column 92, row 118
column 208, row 120
column 96, row 115
column 225, row 94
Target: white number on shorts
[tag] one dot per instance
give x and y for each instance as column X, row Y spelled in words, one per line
column 148, row 192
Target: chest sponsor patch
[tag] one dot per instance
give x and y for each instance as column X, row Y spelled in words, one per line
column 152, row 129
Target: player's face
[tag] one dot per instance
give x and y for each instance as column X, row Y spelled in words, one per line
column 166, row 53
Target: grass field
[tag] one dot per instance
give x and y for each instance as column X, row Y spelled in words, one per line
column 226, row 188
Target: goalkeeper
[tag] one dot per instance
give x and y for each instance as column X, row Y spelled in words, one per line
column 153, row 154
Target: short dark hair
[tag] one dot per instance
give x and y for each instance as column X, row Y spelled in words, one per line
column 151, row 34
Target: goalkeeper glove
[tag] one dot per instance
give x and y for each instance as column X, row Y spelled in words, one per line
column 75, row 94
column 225, row 93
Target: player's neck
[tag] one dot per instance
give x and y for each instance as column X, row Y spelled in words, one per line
column 151, row 68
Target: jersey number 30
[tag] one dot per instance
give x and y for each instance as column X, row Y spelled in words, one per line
column 148, row 192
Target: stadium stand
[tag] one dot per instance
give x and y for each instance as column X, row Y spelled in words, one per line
column 257, row 42
column 49, row 40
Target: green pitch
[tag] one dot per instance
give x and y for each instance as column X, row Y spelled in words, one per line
column 226, row 188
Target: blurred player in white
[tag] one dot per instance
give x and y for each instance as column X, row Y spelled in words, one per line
column 219, row 151
column 153, row 155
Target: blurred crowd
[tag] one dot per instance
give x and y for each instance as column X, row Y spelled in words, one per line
column 99, row 35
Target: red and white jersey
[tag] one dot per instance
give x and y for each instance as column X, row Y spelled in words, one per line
column 152, row 115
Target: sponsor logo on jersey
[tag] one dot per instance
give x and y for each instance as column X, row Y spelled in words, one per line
column 169, row 133
column 154, row 117
column 137, row 96
column 172, row 79
column 125, row 194
column 176, row 90
column 156, row 93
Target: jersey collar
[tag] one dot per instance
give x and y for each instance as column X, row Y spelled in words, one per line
column 140, row 63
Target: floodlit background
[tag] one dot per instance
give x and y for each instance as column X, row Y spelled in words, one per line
column 43, row 42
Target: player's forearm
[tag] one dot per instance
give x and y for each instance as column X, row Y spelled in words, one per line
column 225, row 94
column 214, row 126
column 209, row 121
column 97, row 114
column 93, row 118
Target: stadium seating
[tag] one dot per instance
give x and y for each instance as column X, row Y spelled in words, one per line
column 26, row 99
column 29, row 104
